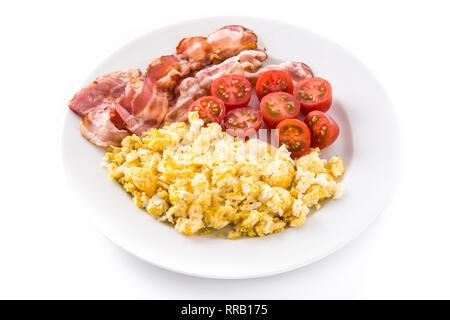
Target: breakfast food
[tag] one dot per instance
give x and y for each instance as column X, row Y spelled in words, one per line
column 210, row 109
column 245, row 64
column 145, row 102
column 296, row 135
column 107, row 87
column 243, row 122
column 278, row 106
column 233, row 89
column 313, row 94
column 273, row 81
column 297, row 71
column 199, row 178
column 102, row 126
column 131, row 103
column 324, row 130
column 182, row 138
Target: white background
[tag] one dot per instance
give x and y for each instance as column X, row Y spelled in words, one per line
column 49, row 249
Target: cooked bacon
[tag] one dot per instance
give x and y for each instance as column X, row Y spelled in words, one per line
column 221, row 44
column 122, row 100
column 196, row 50
column 228, row 41
column 103, row 126
column 149, row 105
column 296, row 70
column 111, row 85
column 145, row 102
column 245, row 64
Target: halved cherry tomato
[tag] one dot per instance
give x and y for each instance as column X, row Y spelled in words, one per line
column 233, row 89
column 243, row 121
column 324, row 130
column 273, row 81
column 295, row 135
column 313, row 94
column 210, row 109
column 278, row 106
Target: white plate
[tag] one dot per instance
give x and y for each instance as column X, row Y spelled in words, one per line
column 367, row 145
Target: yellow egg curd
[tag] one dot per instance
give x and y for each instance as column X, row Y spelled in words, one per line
column 199, row 179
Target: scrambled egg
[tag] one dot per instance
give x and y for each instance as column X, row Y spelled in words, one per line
column 199, row 178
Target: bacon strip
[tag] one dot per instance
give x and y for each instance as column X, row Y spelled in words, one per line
column 102, row 126
column 194, row 49
column 145, row 102
column 221, row 44
column 111, row 85
column 228, row 41
column 296, row 70
column 246, row 64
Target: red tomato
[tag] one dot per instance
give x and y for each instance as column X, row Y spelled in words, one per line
column 210, row 109
column 243, row 121
column 313, row 94
column 233, row 89
column 295, row 135
column 324, row 130
column 273, row 81
column 278, row 106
